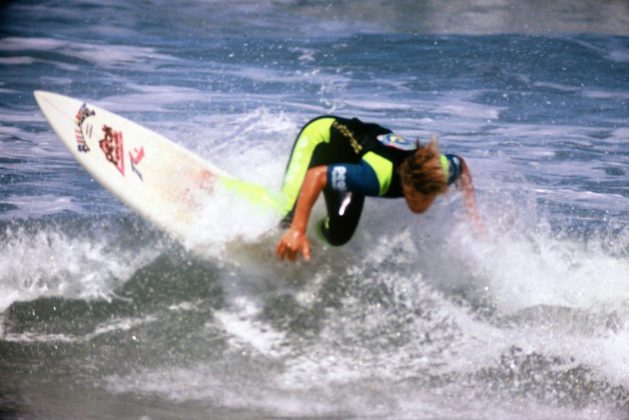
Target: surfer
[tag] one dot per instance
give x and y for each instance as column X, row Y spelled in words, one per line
column 348, row 160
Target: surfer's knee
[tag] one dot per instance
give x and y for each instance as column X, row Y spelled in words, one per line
column 336, row 236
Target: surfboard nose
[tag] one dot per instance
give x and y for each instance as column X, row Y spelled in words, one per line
column 40, row 96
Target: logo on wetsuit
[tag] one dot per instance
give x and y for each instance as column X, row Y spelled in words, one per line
column 348, row 134
column 338, row 178
column 397, row 141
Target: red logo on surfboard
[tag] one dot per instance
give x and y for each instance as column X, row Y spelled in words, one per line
column 80, row 117
column 113, row 147
column 135, row 161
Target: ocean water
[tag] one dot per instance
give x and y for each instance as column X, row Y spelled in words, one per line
column 104, row 316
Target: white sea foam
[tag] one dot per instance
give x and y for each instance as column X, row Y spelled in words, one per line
column 105, row 56
column 526, row 266
column 52, row 263
column 18, row 60
column 37, row 206
column 109, row 327
column 378, row 105
column 605, row 94
column 462, row 104
column 154, row 98
column 558, row 86
column 619, row 55
column 227, row 217
column 247, row 333
column 117, row 325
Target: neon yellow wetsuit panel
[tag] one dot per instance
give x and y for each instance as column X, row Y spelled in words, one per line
column 315, row 133
column 445, row 164
column 382, row 167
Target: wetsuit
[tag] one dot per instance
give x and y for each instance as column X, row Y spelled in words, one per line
column 362, row 159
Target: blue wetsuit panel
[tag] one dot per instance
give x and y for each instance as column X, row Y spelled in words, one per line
column 456, row 168
column 359, row 178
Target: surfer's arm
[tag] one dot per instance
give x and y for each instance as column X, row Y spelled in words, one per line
column 295, row 238
column 465, row 183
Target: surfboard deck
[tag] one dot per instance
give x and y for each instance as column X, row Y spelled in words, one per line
column 159, row 179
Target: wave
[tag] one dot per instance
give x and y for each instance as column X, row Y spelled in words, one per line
column 423, row 305
column 72, row 257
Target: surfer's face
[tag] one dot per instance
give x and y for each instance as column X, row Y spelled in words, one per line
column 416, row 201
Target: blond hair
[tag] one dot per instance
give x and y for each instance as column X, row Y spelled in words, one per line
column 423, row 171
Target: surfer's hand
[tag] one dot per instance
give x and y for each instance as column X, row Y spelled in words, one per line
column 477, row 222
column 293, row 242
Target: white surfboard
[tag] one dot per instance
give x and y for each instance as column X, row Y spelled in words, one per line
column 160, row 180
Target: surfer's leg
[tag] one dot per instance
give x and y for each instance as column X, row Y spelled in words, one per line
column 344, row 211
